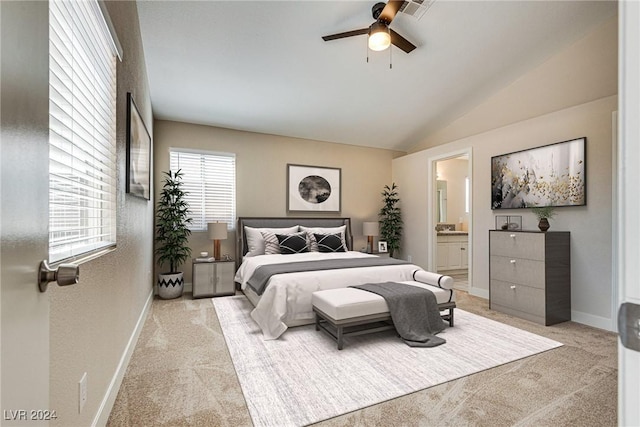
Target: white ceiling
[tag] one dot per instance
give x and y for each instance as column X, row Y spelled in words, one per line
column 262, row 66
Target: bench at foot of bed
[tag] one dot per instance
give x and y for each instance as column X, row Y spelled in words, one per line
column 346, row 312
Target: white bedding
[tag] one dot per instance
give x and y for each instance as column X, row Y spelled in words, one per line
column 287, row 298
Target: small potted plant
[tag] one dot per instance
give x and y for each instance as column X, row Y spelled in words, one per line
column 172, row 234
column 543, row 213
column 390, row 219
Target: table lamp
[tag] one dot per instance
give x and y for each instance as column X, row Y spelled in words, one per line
column 217, row 232
column 370, row 230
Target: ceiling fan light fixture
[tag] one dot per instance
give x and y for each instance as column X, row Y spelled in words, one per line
column 379, row 37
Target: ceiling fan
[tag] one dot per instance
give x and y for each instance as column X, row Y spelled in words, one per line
column 380, row 35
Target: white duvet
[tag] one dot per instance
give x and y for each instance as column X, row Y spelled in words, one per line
column 287, row 297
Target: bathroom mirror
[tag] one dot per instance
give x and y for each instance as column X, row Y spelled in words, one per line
column 441, row 201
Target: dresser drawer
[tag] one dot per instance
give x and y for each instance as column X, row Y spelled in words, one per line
column 518, row 297
column 518, row 270
column 517, row 245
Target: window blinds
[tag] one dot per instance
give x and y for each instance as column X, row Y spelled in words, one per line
column 210, row 182
column 82, row 128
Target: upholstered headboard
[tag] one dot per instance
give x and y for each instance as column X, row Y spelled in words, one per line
column 275, row 222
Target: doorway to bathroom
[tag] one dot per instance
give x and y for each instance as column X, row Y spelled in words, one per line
column 452, row 218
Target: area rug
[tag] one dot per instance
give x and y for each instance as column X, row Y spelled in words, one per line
column 302, row 378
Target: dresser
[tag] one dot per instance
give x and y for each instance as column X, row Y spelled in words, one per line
column 530, row 275
column 213, row 278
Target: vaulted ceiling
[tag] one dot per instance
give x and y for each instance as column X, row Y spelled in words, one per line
column 262, row 66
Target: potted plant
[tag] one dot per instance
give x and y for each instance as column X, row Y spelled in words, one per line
column 543, row 213
column 390, row 219
column 172, row 233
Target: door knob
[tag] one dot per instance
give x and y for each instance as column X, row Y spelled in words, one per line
column 64, row 275
column 629, row 325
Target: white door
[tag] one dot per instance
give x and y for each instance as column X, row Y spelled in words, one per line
column 629, row 204
column 24, row 201
column 455, row 255
column 464, row 247
column 443, row 256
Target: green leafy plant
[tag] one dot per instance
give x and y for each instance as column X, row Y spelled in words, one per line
column 172, row 220
column 543, row 212
column 390, row 219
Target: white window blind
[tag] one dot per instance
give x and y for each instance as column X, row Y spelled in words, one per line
column 210, row 181
column 82, row 129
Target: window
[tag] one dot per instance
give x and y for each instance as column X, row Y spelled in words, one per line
column 82, row 130
column 210, row 183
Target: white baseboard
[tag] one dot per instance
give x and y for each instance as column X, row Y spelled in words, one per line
column 478, row 292
column 591, row 320
column 102, row 416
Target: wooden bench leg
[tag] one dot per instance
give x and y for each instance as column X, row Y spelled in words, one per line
column 451, row 317
column 340, row 337
column 317, row 322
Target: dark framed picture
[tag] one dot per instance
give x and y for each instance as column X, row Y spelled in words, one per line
column 551, row 175
column 138, row 153
column 313, row 188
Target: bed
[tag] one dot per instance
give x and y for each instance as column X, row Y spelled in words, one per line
column 286, row 299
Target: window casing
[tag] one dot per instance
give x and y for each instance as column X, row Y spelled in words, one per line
column 82, row 130
column 209, row 179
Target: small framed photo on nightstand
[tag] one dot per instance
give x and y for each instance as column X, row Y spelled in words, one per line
column 382, row 247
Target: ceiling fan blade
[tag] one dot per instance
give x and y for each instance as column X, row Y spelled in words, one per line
column 346, row 34
column 401, row 42
column 390, row 10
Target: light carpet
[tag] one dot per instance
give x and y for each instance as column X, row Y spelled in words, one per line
column 303, row 378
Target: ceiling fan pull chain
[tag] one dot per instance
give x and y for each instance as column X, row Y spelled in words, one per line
column 390, row 58
column 366, row 45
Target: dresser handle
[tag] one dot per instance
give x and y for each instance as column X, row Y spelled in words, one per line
column 513, row 261
column 512, row 235
column 512, row 286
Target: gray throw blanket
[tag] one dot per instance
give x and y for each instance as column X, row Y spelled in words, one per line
column 414, row 312
column 258, row 281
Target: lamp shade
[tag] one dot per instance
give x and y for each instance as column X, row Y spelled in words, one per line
column 379, row 37
column 217, row 230
column 370, row 228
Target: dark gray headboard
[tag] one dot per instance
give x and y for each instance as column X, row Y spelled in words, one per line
column 275, row 222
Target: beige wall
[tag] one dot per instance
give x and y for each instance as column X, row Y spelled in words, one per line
column 571, row 95
column 590, row 225
column 92, row 322
column 583, row 72
column 261, row 173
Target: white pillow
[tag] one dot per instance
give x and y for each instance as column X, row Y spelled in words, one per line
column 313, row 244
column 434, row 279
column 255, row 241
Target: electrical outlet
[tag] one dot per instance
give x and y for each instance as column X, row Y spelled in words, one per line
column 409, row 258
column 82, row 392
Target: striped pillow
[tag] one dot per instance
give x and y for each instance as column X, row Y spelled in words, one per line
column 271, row 244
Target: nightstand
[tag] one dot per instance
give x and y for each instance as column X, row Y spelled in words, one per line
column 213, row 278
